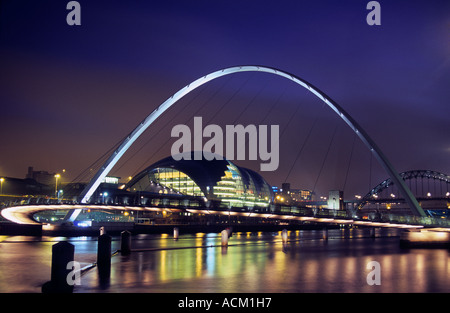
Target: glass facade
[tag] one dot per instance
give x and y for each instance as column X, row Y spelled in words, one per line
column 234, row 191
column 233, row 187
column 174, row 181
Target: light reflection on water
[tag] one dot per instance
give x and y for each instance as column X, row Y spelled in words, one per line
column 253, row 262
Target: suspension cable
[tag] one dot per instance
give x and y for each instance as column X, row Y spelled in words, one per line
column 198, row 110
column 349, row 162
column 263, row 87
column 86, row 173
column 326, row 156
column 370, row 170
column 301, row 149
column 268, row 113
column 159, row 130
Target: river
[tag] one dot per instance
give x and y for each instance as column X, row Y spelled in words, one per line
column 252, row 262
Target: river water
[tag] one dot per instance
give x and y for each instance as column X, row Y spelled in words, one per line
column 253, row 262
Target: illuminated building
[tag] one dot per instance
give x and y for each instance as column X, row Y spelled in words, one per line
column 215, row 180
column 286, row 195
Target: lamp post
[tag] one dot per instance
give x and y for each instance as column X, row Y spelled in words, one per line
column 1, row 185
column 56, row 185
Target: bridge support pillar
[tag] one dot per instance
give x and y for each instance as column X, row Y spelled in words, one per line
column 72, row 215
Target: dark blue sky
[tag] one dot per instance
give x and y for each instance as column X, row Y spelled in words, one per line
column 68, row 93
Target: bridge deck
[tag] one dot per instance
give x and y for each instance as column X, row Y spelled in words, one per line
column 23, row 214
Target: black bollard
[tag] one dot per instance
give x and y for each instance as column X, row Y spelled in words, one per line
column 125, row 242
column 104, row 256
column 62, row 253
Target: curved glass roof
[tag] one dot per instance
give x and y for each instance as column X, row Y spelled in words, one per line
column 219, row 180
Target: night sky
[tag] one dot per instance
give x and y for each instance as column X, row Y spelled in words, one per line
column 69, row 93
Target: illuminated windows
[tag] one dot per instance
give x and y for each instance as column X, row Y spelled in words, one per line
column 216, row 180
column 175, row 181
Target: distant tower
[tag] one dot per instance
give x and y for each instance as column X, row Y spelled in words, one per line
column 30, row 172
column 286, row 187
column 335, row 200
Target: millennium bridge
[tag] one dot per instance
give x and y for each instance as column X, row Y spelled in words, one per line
column 141, row 204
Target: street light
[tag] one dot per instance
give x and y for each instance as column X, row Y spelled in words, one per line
column 56, row 185
column 2, row 179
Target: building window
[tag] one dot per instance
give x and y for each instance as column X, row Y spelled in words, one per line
column 175, row 181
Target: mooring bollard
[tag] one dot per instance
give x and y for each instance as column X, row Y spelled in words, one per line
column 284, row 236
column 104, row 256
column 125, row 242
column 224, row 234
column 325, row 234
column 176, row 232
column 62, row 254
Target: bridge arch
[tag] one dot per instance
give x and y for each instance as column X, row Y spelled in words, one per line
column 131, row 138
column 408, row 175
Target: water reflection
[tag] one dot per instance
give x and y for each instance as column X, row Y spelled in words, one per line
column 253, row 262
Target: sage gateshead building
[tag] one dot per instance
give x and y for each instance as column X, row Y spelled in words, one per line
column 217, row 181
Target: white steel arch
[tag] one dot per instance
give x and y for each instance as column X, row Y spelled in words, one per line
column 131, row 138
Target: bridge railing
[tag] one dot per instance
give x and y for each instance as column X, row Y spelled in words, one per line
column 275, row 209
column 412, row 220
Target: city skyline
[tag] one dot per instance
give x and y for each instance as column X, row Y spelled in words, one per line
column 69, row 93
